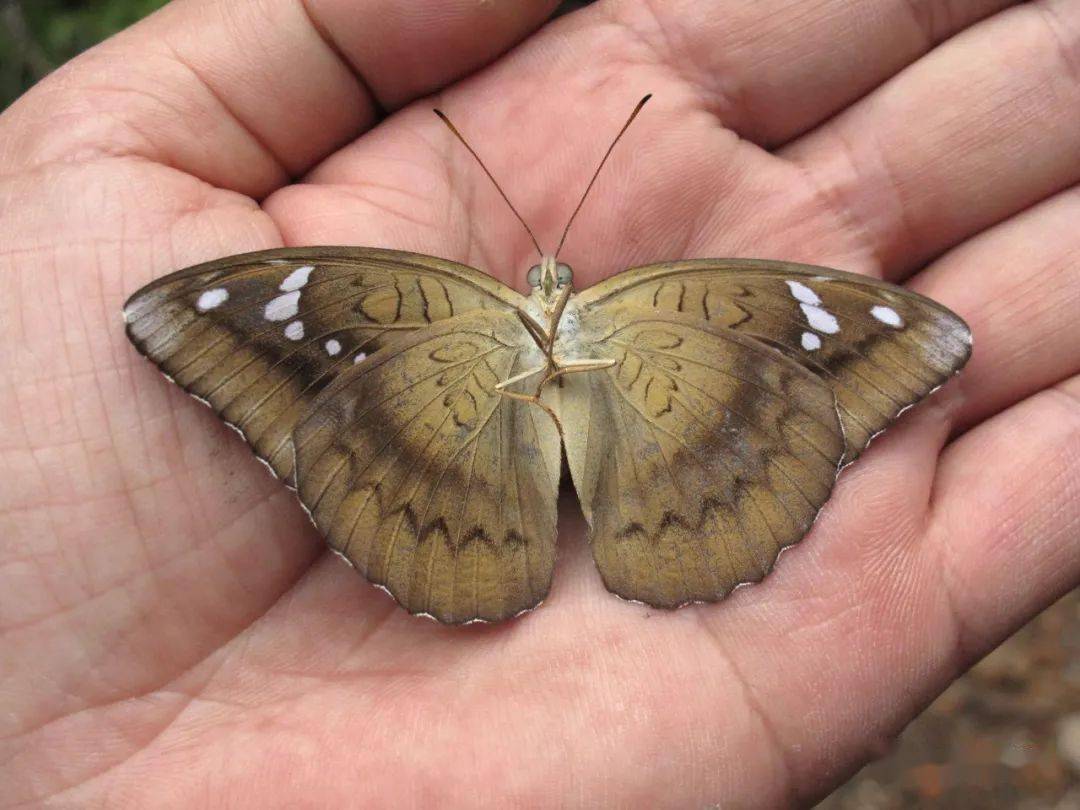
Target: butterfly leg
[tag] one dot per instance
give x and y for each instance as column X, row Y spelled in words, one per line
column 545, row 338
column 500, row 388
column 545, row 341
column 563, row 367
column 535, row 330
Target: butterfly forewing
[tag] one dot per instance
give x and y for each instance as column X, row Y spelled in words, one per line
column 258, row 335
column 698, row 455
column 880, row 348
column 432, row 483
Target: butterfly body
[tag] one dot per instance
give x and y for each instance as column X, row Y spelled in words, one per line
column 421, row 409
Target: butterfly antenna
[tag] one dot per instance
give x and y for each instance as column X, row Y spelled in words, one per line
column 465, row 143
column 596, row 174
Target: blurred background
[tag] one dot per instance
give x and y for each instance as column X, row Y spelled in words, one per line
column 1006, row 735
column 38, row 35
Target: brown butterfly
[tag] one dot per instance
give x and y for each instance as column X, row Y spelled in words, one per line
column 420, row 408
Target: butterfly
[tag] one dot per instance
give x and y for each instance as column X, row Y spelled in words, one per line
column 421, row 409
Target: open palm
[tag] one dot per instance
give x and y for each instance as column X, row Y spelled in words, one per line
column 173, row 632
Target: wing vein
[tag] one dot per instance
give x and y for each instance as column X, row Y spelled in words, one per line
column 723, row 404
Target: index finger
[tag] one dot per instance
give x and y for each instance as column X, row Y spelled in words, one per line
column 246, row 94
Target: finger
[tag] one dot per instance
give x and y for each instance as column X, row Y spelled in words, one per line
column 245, row 94
column 1018, row 288
column 909, row 584
column 955, row 143
column 1007, row 499
column 917, row 559
column 770, row 70
column 405, row 50
column 853, row 621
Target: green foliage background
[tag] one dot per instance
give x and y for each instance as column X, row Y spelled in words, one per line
column 39, row 35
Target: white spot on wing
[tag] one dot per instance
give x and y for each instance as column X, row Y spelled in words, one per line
column 297, row 278
column 295, row 330
column 283, row 307
column 820, row 320
column 361, row 357
column 332, row 347
column 888, row 316
column 212, row 298
column 810, row 341
column 803, row 293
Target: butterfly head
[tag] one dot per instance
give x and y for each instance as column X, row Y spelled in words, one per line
column 550, row 275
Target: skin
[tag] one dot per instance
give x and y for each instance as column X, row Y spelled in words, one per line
column 172, row 631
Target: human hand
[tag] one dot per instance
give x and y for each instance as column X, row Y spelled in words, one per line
column 173, row 631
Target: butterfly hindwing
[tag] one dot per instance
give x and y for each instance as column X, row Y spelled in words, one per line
column 880, row 347
column 698, row 455
column 429, row 481
column 258, row 335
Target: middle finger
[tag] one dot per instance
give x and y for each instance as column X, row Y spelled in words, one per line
column 981, row 128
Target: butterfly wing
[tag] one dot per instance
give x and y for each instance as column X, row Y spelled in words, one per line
column 698, row 455
column 880, row 347
column 258, row 335
column 429, row 481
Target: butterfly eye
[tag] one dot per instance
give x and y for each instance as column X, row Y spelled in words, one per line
column 534, row 276
column 564, row 274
